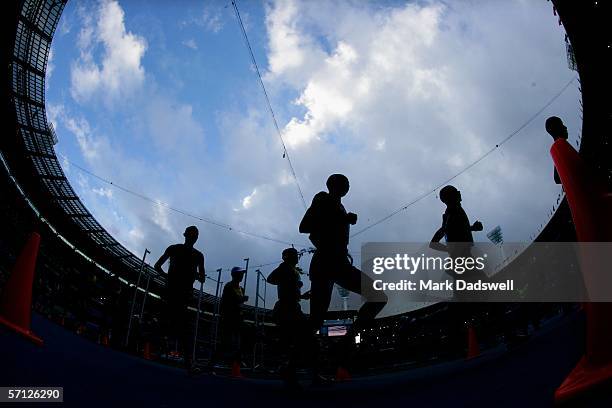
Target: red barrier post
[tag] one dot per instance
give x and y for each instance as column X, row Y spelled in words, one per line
column 473, row 347
column 16, row 299
column 591, row 210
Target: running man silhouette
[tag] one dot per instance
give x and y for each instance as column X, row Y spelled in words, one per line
column 455, row 223
column 456, row 227
column 186, row 265
column 555, row 127
column 328, row 224
column 457, row 230
column 287, row 313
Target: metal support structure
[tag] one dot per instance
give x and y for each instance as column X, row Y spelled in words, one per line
column 144, row 299
column 257, row 271
column 265, row 296
column 259, row 345
column 246, row 274
column 214, row 334
column 216, row 310
column 197, row 323
column 260, row 277
column 127, row 335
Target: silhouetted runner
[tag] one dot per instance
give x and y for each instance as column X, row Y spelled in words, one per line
column 457, row 231
column 555, row 127
column 328, row 224
column 231, row 319
column 186, row 265
column 293, row 324
column 456, row 227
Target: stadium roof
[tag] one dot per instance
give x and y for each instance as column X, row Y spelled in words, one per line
column 36, row 23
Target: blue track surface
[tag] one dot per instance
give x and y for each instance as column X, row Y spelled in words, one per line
column 93, row 375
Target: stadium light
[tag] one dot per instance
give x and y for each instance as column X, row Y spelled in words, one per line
column 496, row 236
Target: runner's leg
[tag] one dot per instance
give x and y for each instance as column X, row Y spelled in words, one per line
column 320, row 295
column 352, row 279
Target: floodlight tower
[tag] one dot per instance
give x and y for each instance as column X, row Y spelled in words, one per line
column 344, row 294
column 497, row 237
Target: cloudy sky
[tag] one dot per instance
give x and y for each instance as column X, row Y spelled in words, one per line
column 162, row 99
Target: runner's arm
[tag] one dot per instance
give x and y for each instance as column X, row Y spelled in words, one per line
column 435, row 240
column 162, row 260
column 274, row 277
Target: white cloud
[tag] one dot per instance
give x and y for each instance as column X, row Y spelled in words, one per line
column 79, row 127
column 292, row 51
column 190, row 43
column 64, row 26
column 209, row 19
column 247, row 202
column 174, row 130
column 131, row 220
column 136, row 237
column 82, row 181
column 161, row 219
column 50, row 67
column 103, row 192
column 336, row 85
column 119, row 71
column 65, row 163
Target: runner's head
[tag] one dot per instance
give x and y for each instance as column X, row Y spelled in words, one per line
column 237, row 273
column 450, row 195
column 290, row 255
column 191, row 235
column 555, row 127
column 338, row 185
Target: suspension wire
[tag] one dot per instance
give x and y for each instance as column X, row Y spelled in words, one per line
column 181, row 211
column 263, row 87
column 469, row 166
column 254, row 266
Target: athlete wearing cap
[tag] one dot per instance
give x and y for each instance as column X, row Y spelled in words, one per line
column 287, row 313
column 232, row 300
